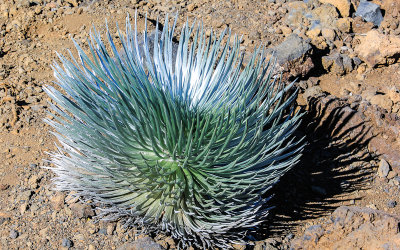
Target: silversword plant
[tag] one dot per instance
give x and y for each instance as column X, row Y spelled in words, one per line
column 184, row 142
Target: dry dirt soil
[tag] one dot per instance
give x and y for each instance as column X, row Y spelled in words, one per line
column 344, row 193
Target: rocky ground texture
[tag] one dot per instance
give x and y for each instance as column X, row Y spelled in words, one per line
column 344, row 193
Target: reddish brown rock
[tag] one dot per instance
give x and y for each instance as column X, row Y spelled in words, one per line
column 361, row 27
column 378, row 49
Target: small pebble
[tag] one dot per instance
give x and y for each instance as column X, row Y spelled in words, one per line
column 391, row 204
column 191, row 7
column 110, row 229
column 103, row 231
column 357, row 61
column 66, row 242
column 13, row 234
column 383, row 169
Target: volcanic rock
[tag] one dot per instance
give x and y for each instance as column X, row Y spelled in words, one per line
column 337, row 63
column 293, row 55
column 378, row 49
column 325, row 16
column 383, row 169
column 370, row 12
column 342, row 5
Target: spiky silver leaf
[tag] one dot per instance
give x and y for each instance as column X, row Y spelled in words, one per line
column 184, row 143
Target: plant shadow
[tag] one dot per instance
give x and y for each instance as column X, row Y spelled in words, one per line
column 334, row 164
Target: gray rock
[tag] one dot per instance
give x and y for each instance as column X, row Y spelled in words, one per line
column 143, row 243
column 67, row 243
column 391, row 204
column 103, row 231
column 2, row 220
column 383, row 169
column 347, row 63
column 13, row 234
column 357, row 61
column 293, row 55
column 291, row 49
column 36, row 108
column 289, row 236
column 370, row 12
column 313, row 233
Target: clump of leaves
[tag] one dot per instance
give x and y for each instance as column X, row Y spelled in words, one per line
column 185, row 143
